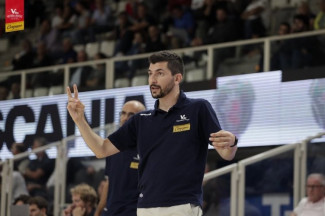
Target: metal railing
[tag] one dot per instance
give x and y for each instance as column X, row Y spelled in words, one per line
column 236, row 170
column 59, row 172
column 209, row 49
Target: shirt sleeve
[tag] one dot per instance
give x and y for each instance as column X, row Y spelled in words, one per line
column 208, row 121
column 299, row 207
column 125, row 137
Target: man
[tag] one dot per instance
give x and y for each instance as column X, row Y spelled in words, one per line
column 39, row 170
column 172, row 141
column 37, row 206
column 84, row 200
column 314, row 203
column 122, row 172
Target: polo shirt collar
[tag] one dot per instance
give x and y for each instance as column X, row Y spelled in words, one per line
column 179, row 103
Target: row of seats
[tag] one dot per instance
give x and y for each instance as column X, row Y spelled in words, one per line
column 105, row 47
column 193, row 75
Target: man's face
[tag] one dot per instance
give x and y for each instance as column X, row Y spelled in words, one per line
column 35, row 211
column 315, row 190
column 127, row 112
column 161, row 80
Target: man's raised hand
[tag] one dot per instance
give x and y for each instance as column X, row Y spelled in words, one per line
column 75, row 107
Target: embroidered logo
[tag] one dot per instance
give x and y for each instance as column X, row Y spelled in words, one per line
column 182, row 118
column 137, row 157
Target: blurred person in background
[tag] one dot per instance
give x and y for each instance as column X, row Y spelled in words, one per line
column 37, row 206
column 38, row 170
column 120, row 192
column 314, row 203
column 84, row 200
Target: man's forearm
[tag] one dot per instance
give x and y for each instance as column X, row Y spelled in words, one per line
column 101, row 147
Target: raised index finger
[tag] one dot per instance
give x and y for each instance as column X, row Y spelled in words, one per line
column 75, row 91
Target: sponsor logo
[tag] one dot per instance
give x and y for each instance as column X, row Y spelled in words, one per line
column 145, row 114
column 14, row 11
column 181, row 128
column 134, row 165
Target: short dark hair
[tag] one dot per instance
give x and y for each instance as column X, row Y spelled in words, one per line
column 39, row 201
column 23, row 197
column 174, row 62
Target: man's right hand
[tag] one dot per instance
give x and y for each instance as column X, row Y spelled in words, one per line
column 75, row 107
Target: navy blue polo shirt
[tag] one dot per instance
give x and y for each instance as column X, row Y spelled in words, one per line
column 122, row 171
column 173, row 148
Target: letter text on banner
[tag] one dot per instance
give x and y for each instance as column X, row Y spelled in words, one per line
column 14, row 15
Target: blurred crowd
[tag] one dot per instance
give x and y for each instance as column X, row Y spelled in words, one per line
column 142, row 26
column 33, row 182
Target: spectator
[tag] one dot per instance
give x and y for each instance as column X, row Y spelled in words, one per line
column 69, row 55
column 138, row 47
column 14, row 88
column 84, row 200
column 4, row 92
column 304, row 9
column 22, row 200
column 69, row 21
column 43, row 59
column 120, row 193
column 183, row 27
column 252, row 17
column 319, row 22
column 37, row 206
column 21, row 164
column 313, row 204
column 81, row 34
column 96, row 80
column 80, row 74
column 38, row 170
column 18, row 185
column 224, row 30
column 57, row 18
column 143, row 19
column 25, row 58
column 101, row 18
column 51, row 37
column 154, row 42
column 280, row 47
column 122, row 35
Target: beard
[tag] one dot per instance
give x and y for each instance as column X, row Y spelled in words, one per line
column 162, row 92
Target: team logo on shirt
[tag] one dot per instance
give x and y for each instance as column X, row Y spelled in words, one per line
column 137, row 157
column 182, row 118
column 181, row 128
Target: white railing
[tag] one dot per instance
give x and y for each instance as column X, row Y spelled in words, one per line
column 209, row 49
column 236, row 170
column 59, row 172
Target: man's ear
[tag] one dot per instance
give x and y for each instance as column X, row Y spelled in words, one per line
column 178, row 78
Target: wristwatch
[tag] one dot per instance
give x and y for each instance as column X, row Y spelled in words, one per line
column 236, row 141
